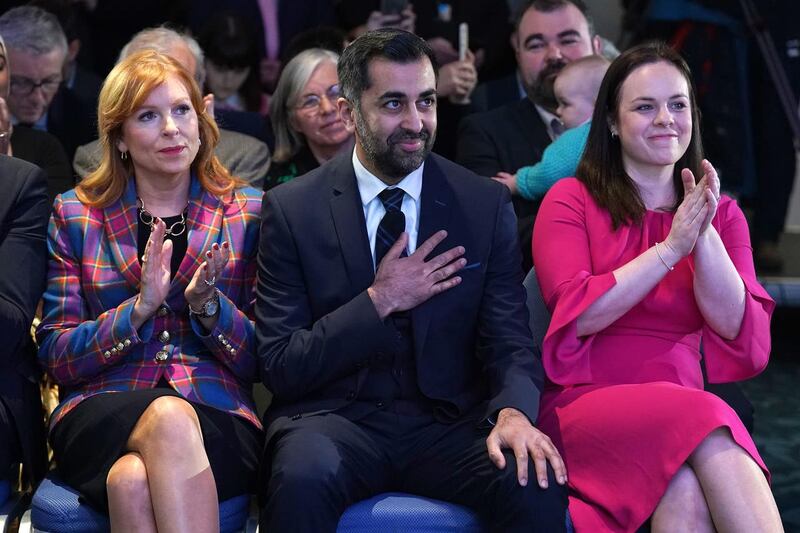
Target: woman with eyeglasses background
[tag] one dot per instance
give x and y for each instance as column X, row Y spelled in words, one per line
column 35, row 146
column 305, row 118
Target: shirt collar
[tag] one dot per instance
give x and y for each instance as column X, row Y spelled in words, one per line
column 547, row 118
column 370, row 186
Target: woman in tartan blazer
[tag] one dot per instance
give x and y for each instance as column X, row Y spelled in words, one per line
column 148, row 311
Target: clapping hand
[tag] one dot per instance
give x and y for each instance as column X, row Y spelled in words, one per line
column 201, row 286
column 711, row 191
column 154, row 284
column 402, row 283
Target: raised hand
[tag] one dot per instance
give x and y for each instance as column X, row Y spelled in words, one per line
column 154, row 284
column 402, row 283
column 201, row 286
column 458, row 79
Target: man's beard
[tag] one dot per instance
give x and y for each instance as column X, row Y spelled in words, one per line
column 542, row 92
column 388, row 158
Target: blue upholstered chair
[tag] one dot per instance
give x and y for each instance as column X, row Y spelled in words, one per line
column 5, row 490
column 394, row 511
column 56, row 508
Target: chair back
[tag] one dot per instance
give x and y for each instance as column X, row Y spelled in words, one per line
column 537, row 310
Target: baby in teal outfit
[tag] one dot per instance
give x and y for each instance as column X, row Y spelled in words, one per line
column 576, row 89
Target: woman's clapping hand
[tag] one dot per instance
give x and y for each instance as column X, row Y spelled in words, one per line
column 154, row 285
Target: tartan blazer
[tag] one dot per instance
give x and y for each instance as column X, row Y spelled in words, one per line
column 87, row 343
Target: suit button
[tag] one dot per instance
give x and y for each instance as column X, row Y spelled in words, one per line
column 161, row 356
column 296, row 417
column 120, row 346
column 163, row 336
column 351, row 395
column 379, row 405
column 107, row 354
column 162, row 311
column 127, row 342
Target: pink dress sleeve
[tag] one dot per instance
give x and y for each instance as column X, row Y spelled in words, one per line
column 747, row 354
column 569, row 285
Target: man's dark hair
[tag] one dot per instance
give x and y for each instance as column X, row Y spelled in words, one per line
column 394, row 45
column 548, row 6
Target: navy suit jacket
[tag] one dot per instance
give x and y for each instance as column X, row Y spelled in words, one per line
column 504, row 140
column 318, row 331
column 24, row 209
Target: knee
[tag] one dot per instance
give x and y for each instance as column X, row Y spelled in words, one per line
column 305, row 472
column 126, row 483
column 168, row 424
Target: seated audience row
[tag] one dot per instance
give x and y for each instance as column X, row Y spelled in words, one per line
column 380, row 299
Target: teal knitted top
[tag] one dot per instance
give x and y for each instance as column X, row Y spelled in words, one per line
column 559, row 160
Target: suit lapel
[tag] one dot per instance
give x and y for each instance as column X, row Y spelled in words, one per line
column 347, row 212
column 121, row 226
column 437, row 200
column 532, row 127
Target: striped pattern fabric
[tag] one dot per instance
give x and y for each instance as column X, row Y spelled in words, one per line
column 87, row 343
column 392, row 224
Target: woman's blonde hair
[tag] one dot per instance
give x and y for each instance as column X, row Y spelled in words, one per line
column 125, row 89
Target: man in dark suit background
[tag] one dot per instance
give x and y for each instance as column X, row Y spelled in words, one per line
column 37, row 49
column 409, row 368
column 24, row 209
column 547, row 35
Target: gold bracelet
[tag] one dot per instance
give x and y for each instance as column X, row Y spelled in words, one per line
column 658, row 253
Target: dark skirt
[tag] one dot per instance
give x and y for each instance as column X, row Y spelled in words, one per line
column 93, row 436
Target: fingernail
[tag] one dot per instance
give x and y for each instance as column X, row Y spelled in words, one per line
column 225, row 244
column 215, row 246
column 523, row 482
column 543, row 483
column 208, row 254
column 562, row 479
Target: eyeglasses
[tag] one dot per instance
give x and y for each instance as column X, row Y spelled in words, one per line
column 312, row 102
column 21, row 86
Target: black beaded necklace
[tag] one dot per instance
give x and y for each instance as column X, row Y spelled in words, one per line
column 174, row 230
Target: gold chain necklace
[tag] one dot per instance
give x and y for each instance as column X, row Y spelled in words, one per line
column 175, row 229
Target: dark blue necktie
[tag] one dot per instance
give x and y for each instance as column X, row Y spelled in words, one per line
column 392, row 224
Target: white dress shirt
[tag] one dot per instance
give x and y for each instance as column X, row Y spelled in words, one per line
column 370, row 186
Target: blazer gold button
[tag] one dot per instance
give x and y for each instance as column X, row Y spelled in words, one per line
column 163, row 336
column 127, row 342
column 106, row 354
column 162, row 311
column 161, row 356
column 233, row 351
column 114, row 351
column 120, row 346
column 220, row 338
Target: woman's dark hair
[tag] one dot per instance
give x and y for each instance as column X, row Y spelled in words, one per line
column 601, row 168
column 229, row 42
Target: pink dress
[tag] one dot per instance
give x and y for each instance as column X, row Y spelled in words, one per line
column 625, row 406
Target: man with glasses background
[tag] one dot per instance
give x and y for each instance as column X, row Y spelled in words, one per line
column 37, row 49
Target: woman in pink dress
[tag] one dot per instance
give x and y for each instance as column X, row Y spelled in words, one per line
column 639, row 261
